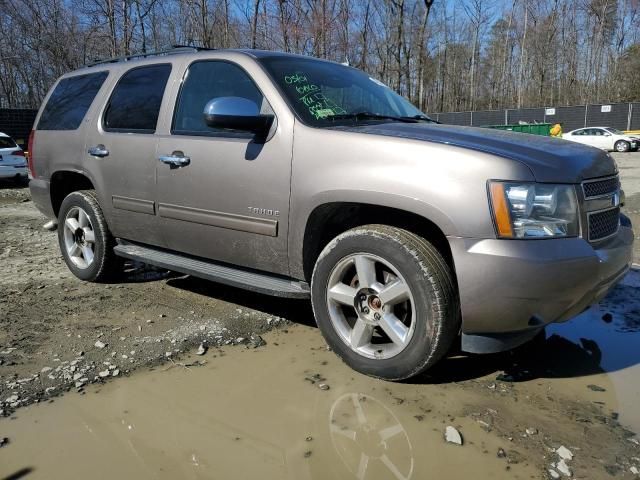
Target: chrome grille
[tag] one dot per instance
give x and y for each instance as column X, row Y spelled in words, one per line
column 603, row 224
column 598, row 188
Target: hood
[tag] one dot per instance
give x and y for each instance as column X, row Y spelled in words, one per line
column 550, row 160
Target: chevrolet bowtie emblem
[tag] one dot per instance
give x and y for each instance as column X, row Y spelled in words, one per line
column 615, row 200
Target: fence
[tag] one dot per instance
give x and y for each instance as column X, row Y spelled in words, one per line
column 17, row 123
column 624, row 116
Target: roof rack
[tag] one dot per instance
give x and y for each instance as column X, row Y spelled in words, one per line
column 169, row 51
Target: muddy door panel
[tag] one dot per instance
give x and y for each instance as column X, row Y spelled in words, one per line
column 128, row 185
column 229, row 203
column 122, row 151
column 223, row 193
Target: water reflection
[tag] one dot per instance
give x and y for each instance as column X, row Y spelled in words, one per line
column 367, row 436
column 610, row 334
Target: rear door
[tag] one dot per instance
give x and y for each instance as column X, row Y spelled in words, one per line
column 63, row 122
column 578, row 136
column 121, row 152
column 601, row 138
column 231, row 202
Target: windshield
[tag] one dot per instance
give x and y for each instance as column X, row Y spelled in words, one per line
column 327, row 94
column 615, row 131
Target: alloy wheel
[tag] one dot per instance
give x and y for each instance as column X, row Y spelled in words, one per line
column 79, row 237
column 371, row 306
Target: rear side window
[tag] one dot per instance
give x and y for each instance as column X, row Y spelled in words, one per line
column 70, row 101
column 135, row 103
column 7, row 142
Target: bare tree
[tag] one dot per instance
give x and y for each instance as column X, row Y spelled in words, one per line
column 468, row 54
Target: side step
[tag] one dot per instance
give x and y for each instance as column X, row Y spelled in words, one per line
column 235, row 277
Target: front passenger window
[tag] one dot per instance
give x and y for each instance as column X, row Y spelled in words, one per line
column 204, row 81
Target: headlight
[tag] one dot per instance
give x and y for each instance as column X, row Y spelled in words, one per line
column 534, row 210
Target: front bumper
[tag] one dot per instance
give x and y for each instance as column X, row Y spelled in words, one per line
column 511, row 289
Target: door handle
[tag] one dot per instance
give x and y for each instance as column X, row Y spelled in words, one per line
column 98, row 151
column 175, row 160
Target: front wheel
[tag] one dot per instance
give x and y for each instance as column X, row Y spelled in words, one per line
column 622, row 146
column 386, row 301
column 85, row 241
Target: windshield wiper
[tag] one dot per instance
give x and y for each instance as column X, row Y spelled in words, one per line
column 372, row 116
column 423, row 118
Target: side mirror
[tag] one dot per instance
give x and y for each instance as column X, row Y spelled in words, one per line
column 236, row 113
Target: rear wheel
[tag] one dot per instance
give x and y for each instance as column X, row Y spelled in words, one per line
column 85, row 241
column 622, row 146
column 385, row 300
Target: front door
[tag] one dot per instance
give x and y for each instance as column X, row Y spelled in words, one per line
column 121, row 153
column 596, row 137
column 229, row 200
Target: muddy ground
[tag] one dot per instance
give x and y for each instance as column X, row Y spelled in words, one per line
column 57, row 333
column 258, row 381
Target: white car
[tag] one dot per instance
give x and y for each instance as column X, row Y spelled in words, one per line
column 13, row 163
column 606, row 138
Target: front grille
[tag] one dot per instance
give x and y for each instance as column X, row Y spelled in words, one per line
column 597, row 188
column 603, row 224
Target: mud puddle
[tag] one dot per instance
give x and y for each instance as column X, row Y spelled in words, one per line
column 253, row 414
column 609, row 334
column 267, row 413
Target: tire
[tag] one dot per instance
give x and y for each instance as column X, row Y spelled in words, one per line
column 424, row 299
column 622, row 146
column 92, row 261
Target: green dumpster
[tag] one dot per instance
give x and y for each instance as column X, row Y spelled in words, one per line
column 532, row 128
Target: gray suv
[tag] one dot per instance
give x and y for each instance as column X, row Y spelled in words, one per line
column 304, row 178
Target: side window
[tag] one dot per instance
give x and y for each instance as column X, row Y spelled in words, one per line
column 135, row 102
column 69, row 102
column 7, row 142
column 578, row 132
column 204, row 81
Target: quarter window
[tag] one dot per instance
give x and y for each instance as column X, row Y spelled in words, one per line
column 7, row 142
column 204, row 81
column 135, row 102
column 69, row 102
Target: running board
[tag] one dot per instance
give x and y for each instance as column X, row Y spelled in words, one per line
column 235, row 277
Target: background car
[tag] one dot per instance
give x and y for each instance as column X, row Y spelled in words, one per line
column 13, row 163
column 606, row 138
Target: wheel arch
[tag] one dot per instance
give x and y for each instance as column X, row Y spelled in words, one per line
column 328, row 220
column 64, row 182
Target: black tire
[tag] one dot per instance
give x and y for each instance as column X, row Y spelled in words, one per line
column 622, row 146
column 106, row 265
column 430, row 281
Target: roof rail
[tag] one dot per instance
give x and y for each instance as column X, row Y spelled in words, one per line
column 168, row 51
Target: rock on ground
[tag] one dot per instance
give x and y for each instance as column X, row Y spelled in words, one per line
column 452, row 435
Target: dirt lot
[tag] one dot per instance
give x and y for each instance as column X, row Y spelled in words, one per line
column 252, row 404
column 57, row 333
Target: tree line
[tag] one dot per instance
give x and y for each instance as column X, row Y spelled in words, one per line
column 444, row 55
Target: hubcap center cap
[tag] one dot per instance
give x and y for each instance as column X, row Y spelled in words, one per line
column 375, row 302
column 79, row 236
column 368, row 306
